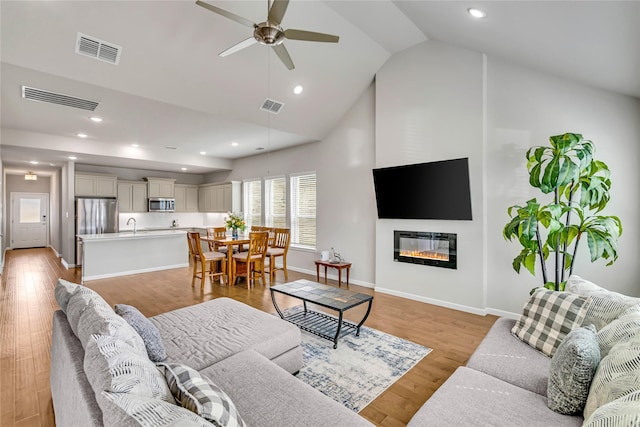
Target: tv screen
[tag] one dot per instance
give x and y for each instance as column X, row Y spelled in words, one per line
column 435, row 190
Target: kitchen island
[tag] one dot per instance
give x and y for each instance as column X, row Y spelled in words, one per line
column 120, row 254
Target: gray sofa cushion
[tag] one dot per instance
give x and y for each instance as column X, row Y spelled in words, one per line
column 503, row 356
column 203, row 334
column 267, row 395
column 472, row 398
column 147, row 331
column 572, row 369
column 624, row 411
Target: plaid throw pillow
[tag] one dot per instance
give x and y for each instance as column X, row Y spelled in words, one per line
column 197, row 393
column 548, row 317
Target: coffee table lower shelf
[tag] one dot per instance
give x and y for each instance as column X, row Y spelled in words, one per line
column 322, row 325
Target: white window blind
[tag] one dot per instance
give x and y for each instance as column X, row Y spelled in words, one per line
column 303, row 210
column 252, row 202
column 275, row 209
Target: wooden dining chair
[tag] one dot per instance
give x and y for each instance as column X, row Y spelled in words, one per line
column 252, row 260
column 279, row 248
column 270, row 230
column 217, row 233
column 212, row 264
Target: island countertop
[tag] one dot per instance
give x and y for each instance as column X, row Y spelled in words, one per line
column 140, row 234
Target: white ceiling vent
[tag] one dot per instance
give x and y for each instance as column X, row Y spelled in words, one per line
column 40, row 95
column 98, row 49
column 271, row 106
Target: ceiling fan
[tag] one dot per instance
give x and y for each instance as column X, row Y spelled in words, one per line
column 270, row 33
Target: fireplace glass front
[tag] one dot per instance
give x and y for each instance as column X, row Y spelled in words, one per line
column 426, row 248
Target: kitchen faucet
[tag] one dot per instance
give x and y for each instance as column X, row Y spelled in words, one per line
column 134, row 224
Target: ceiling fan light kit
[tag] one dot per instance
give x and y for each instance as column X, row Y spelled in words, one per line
column 270, row 33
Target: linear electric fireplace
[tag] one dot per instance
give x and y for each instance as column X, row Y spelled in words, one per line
column 416, row 247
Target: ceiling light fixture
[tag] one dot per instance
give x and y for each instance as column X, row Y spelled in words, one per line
column 95, row 119
column 203, row 153
column 476, row 13
column 82, row 135
column 298, row 90
column 183, row 169
column 30, row 176
column 235, row 144
column 72, row 158
column 135, row 145
column 34, row 162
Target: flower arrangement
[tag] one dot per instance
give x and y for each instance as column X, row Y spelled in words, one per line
column 235, row 221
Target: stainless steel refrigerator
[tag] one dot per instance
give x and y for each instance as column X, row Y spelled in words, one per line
column 94, row 216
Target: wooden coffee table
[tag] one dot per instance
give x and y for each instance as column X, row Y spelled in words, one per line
column 318, row 323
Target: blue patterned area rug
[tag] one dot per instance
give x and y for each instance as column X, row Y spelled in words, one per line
column 361, row 368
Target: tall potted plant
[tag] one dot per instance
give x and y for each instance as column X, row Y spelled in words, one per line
column 579, row 186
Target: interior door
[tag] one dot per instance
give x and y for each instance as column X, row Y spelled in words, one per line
column 29, row 220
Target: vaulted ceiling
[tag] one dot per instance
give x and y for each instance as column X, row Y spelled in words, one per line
column 173, row 96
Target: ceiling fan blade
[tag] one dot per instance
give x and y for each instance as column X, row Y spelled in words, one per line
column 278, row 8
column 226, row 14
column 244, row 43
column 310, row 36
column 282, row 53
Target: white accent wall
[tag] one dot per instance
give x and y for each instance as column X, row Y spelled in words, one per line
column 429, row 107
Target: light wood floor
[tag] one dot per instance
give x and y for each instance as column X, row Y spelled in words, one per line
column 27, row 304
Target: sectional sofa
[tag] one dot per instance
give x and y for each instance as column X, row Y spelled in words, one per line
column 593, row 378
column 224, row 363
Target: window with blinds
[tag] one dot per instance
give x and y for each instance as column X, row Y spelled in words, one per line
column 303, row 210
column 275, row 207
column 252, row 202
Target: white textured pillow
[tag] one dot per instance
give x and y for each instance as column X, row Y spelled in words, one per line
column 624, row 411
column 620, row 330
column 548, row 317
column 618, row 374
column 150, row 412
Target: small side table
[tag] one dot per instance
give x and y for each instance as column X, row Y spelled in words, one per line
column 337, row 265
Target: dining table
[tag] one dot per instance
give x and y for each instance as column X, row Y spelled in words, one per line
column 229, row 242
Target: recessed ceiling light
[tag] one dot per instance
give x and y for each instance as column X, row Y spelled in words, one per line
column 476, row 13
column 298, row 90
column 81, row 135
column 203, row 152
column 72, row 158
column 95, row 119
column 33, row 162
column 135, row 145
column 235, row 144
column 183, row 169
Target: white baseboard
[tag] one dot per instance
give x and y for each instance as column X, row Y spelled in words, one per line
column 333, row 277
column 502, row 313
column 55, row 252
column 447, row 304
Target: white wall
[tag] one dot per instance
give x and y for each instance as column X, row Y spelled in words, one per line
column 436, row 101
column 524, row 109
column 346, row 212
column 429, row 106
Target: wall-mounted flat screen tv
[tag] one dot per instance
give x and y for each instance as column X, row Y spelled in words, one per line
column 434, row 190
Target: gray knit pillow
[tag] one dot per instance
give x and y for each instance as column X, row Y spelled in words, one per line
column 147, row 330
column 572, row 368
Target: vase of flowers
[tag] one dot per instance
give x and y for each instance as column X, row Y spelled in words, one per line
column 235, row 222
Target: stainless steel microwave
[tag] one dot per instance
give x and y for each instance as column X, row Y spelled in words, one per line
column 162, row 205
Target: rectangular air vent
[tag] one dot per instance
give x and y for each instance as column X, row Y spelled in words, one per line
column 271, row 106
column 98, row 49
column 40, row 95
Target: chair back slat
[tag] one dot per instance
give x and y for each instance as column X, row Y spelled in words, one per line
column 195, row 248
column 258, row 243
column 281, row 238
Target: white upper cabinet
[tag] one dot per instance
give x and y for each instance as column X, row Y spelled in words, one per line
column 132, row 196
column 161, row 187
column 96, row 185
column 224, row 197
column 186, row 198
